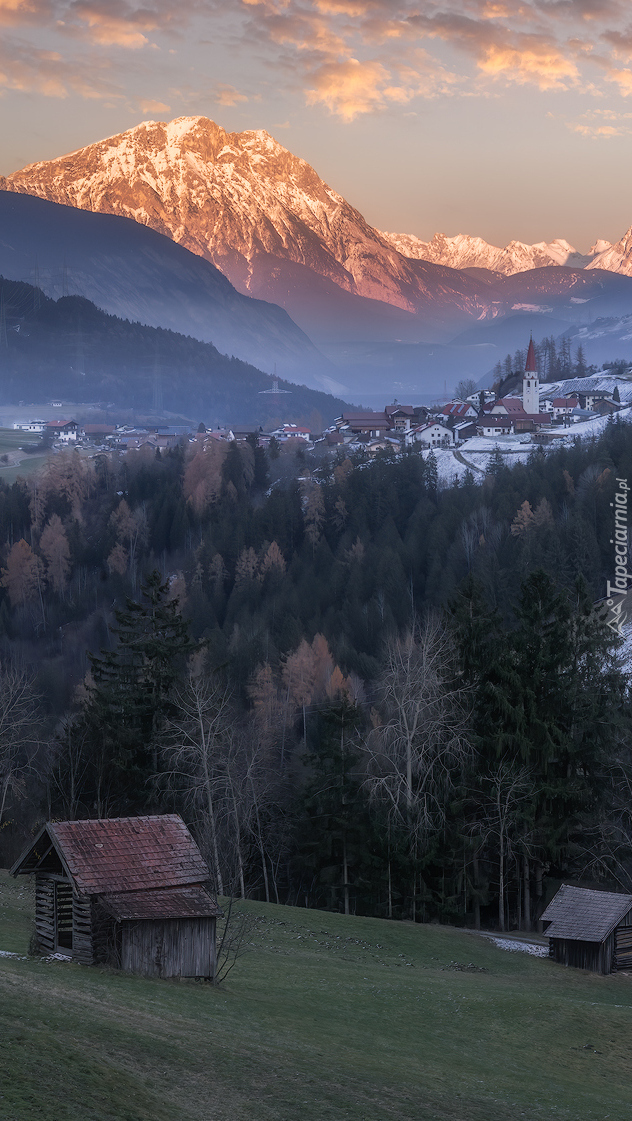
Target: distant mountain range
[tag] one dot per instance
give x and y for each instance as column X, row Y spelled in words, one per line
column 465, row 252
column 243, row 204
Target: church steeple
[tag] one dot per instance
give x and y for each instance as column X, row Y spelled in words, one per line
column 530, row 367
column 531, row 383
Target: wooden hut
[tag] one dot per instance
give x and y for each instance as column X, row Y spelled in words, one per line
column 590, row 929
column 131, row 892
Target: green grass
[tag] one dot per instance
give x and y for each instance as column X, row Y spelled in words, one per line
column 11, row 439
column 21, row 470
column 327, row 1018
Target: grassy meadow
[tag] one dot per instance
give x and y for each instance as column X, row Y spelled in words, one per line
column 11, row 441
column 325, row 1018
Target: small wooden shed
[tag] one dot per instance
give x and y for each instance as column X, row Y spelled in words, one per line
column 590, row 929
column 131, row 892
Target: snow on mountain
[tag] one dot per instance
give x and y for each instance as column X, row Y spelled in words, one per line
column 279, row 233
column 615, row 258
column 244, row 202
column 464, row 252
column 259, row 213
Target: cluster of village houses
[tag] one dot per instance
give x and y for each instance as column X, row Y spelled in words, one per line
column 125, row 437
column 537, row 411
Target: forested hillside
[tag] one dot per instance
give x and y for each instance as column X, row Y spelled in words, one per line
column 70, row 349
column 363, row 691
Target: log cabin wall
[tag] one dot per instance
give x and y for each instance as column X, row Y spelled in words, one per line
column 82, row 935
column 169, row 947
column 64, row 926
column 45, row 914
column 590, row 929
column 623, row 944
column 128, row 892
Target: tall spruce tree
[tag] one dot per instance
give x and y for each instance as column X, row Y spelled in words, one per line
column 334, row 826
column 131, row 690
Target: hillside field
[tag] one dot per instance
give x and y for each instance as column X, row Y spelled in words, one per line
column 325, row 1018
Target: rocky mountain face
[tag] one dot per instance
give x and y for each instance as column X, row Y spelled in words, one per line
column 617, row 257
column 257, row 212
column 243, row 204
column 465, row 252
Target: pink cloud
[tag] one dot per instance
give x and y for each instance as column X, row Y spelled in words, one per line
column 24, row 11
column 227, row 95
column 357, row 56
column 352, row 87
column 30, row 70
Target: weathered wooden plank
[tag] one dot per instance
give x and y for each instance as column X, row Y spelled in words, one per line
column 169, row 948
column 82, row 932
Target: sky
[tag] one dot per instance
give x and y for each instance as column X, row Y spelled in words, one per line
column 506, row 119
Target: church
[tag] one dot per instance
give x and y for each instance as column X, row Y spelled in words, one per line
column 531, row 384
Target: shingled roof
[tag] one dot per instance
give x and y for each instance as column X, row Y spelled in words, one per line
column 124, row 854
column 584, row 915
column 191, row 902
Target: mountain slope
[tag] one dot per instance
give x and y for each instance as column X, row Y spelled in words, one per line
column 278, row 232
column 251, row 207
column 70, row 349
column 130, row 271
column 616, row 257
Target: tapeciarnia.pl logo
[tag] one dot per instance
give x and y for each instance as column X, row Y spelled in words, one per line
column 617, row 591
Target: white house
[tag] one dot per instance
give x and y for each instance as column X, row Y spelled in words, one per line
column 291, row 432
column 30, row 425
column 561, row 406
column 65, row 431
column 431, row 435
column 498, row 425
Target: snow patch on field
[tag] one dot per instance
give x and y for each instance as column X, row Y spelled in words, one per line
column 515, row 947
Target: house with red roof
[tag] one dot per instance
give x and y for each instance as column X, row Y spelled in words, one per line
column 63, row 431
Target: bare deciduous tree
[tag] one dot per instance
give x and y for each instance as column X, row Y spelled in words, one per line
column 235, row 929
column 417, row 752
column 18, row 730
column 420, row 744
column 194, row 747
column 507, row 788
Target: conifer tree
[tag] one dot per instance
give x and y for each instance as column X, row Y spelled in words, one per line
column 335, row 832
column 131, row 688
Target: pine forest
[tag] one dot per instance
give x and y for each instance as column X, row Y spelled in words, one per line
column 364, row 690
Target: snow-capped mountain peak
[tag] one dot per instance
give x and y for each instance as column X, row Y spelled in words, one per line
column 464, row 252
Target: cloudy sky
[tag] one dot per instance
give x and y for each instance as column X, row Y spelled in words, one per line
column 502, row 118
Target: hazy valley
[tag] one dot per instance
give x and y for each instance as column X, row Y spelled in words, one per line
column 278, row 233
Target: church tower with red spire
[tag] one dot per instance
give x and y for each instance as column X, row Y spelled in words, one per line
column 531, row 383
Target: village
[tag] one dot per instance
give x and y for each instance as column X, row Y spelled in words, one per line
column 529, row 413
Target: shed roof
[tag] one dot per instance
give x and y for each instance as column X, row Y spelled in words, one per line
column 584, row 915
column 122, row 854
column 192, row 902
